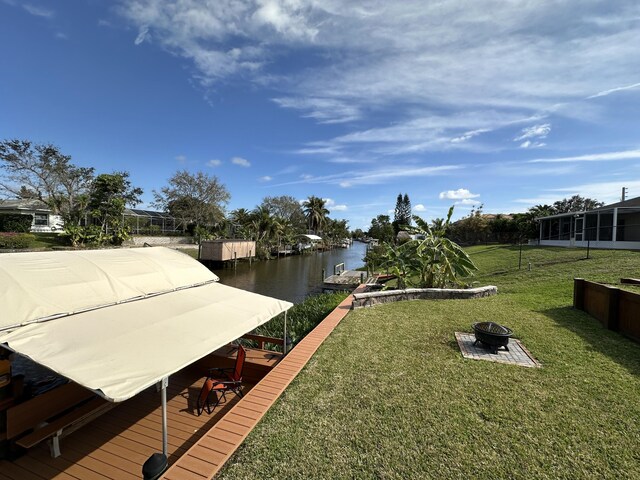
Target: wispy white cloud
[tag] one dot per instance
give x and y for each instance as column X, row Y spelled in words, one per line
column 324, row 110
column 419, row 208
column 347, row 160
column 593, row 157
column 181, row 159
column 142, row 35
column 536, row 131
column 266, row 178
column 61, row 36
column 242, row 162
column 604, row 93
column 459, row 194
column 214, row 163
column 530, row 144
column 469, row 135
column 38, row 10
column 375, row 176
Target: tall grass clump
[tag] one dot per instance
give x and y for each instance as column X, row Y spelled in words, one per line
column 303, row 317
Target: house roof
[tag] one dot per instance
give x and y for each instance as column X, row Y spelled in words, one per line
column 32, row 204
column 118, row 321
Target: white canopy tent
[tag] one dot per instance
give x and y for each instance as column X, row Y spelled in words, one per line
column 119, row 321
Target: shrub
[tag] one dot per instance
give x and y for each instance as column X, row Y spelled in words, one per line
column 303, row 317
column 15, row 222
column 16, row 240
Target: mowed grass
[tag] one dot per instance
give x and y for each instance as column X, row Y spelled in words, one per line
column 388, row 395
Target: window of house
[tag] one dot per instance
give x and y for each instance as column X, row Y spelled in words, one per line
column 41, row 219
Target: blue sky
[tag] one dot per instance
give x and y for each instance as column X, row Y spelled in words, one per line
column 505, row 104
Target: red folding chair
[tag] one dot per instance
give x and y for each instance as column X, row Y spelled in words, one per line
column 219, row 382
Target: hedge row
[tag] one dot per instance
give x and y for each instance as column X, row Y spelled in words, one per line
column 16, row 240
column 15, row 222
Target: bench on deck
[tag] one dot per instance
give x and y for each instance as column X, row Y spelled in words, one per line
column 53, row 415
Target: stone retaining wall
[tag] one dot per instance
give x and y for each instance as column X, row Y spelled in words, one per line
column 158, row 241
column 370, row 299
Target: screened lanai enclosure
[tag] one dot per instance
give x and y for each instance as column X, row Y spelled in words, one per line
column 146, row 222
column 612, row 226
column 149, row 222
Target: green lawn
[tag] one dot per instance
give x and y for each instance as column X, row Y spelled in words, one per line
column 49, row 240
column 388, row 395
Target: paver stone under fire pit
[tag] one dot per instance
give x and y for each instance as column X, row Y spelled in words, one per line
column 492, row 335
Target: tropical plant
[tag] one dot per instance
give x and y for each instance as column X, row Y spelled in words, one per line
column 442, row 262
column 241, row 221
column 401, row 261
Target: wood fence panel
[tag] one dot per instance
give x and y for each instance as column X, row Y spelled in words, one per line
column 596, row 301
column 629, row 314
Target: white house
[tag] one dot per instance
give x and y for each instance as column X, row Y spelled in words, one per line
column 612, row 226
column 43, row 220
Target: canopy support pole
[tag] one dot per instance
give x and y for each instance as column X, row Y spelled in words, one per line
column 284, row 344
column 164, row 383
column 157, row 463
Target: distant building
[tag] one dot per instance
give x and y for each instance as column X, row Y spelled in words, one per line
column 612, row 226
column 43, row 218
column 44, row 221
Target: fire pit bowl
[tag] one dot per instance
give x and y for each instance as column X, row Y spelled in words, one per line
column 492, row 335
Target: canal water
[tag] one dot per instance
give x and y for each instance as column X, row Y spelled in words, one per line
column 291, row 278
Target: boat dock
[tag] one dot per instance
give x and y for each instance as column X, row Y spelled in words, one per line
column 345, row 280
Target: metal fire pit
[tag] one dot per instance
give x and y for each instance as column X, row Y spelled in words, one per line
column 492, row 335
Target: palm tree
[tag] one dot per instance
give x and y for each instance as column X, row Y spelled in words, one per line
column 263, row 224
column 316, row 212
column 241, row 219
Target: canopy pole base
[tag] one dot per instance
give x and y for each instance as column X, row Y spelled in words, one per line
column 157, row 463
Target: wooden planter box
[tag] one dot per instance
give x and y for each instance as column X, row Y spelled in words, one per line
column 616, row 309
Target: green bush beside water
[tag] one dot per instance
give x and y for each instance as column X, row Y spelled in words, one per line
column 303, row 317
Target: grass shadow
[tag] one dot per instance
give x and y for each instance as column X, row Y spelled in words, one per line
column 613, row 345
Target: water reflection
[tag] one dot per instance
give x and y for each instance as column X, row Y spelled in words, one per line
column 292, row 278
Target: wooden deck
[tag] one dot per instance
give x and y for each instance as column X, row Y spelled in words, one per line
column 116, row 445
column 207, row 456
